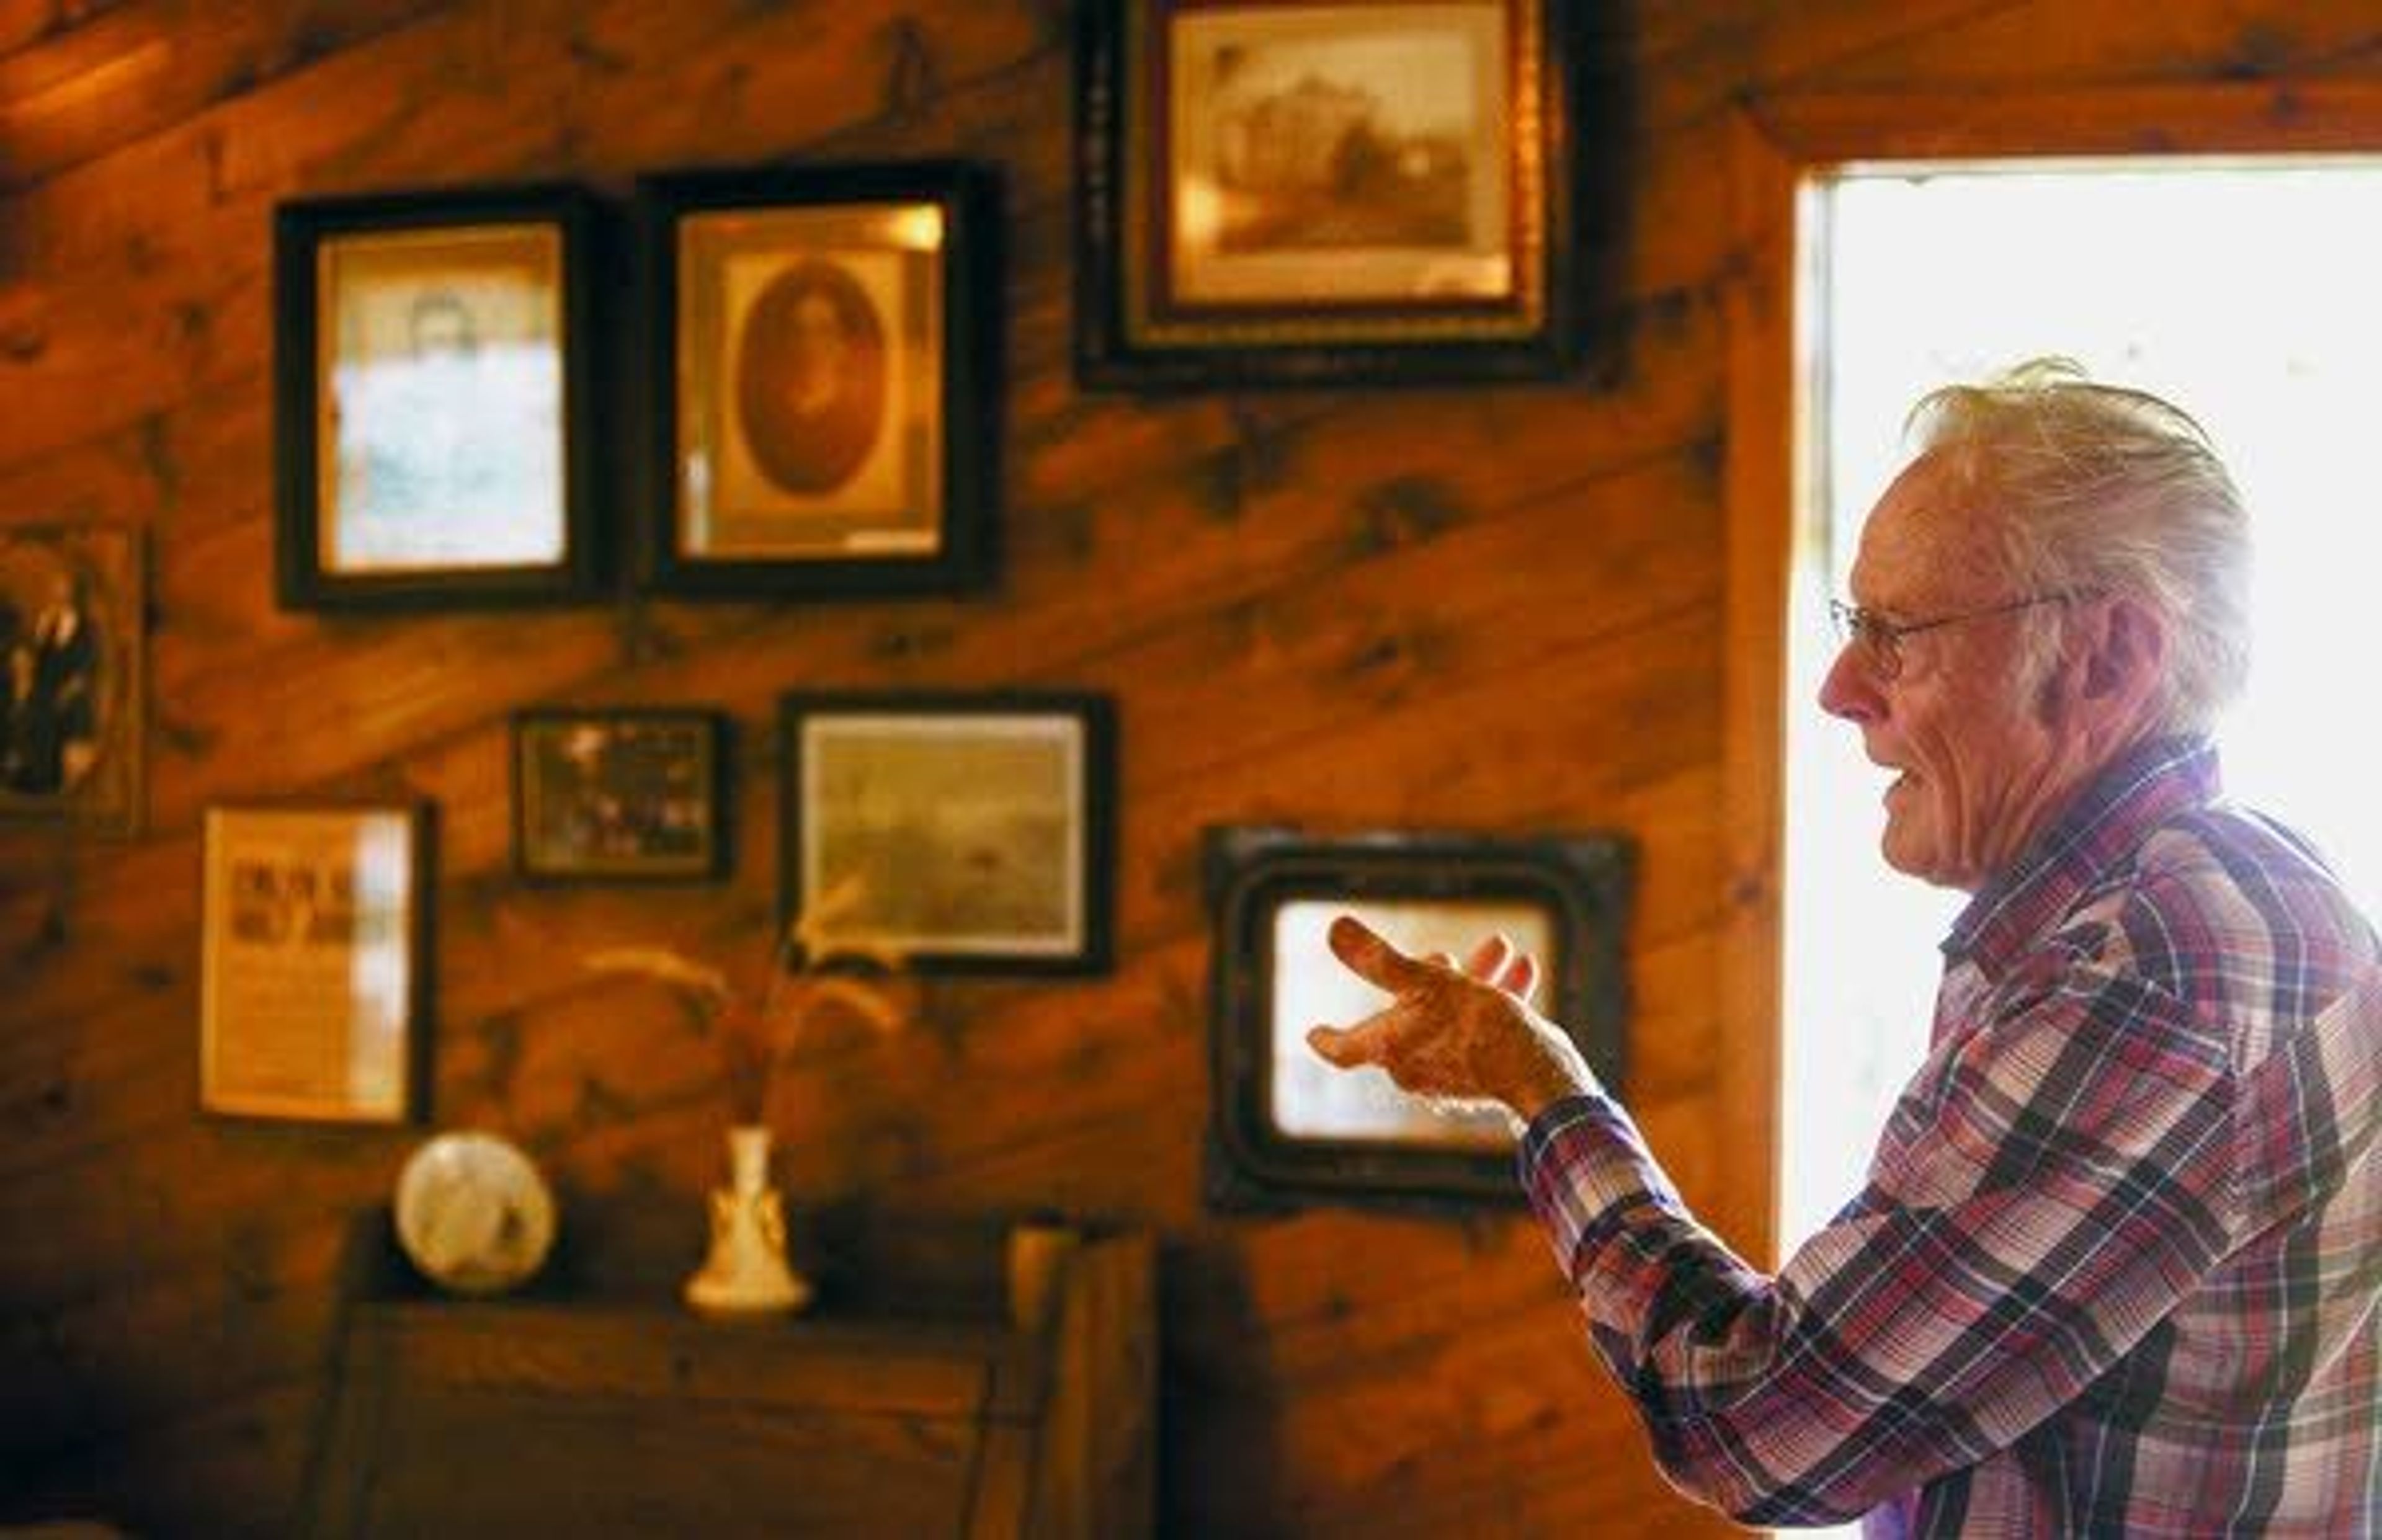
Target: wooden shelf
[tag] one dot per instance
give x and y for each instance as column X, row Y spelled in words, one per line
column 589, row 1417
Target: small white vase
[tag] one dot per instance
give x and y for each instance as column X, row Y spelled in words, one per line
column 746, row 1272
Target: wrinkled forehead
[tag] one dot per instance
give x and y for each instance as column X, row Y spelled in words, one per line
column 1926, row 538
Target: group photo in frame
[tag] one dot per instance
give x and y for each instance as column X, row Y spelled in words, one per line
column 962, row 832
column 72, row 661
column 824, row 378
column 314, row 942
column 1288, row 1127
column 436, row 415
column 619, row 793
column 1339, row 192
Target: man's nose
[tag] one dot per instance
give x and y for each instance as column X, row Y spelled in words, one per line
column 1848, row 691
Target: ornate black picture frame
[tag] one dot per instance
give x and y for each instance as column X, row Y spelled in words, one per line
column 1346, row 191
column 824, row 379
column 435, row 408
column 1287, row 1128
column 967, row 833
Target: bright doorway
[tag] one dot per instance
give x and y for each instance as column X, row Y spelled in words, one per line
column 2245, row 290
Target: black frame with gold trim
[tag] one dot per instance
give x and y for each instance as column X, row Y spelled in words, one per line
column 937, row 536
column 1133, row 329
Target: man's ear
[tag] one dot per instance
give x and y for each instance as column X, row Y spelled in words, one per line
column 2127, row 656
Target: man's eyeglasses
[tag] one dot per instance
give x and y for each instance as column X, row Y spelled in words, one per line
column 1881, row 639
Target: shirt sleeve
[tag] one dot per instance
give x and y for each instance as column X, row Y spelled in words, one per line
column 2051, row 1185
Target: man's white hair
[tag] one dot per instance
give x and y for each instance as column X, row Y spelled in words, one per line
column 2090, row 487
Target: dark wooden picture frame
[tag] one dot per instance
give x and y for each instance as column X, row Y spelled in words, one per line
column 315, row 960
column 1287, row 1128
column 73, row 705
column 969, row 833
column 621, row 794
column 824, row 378
column 436, row 412
column 1343, row 192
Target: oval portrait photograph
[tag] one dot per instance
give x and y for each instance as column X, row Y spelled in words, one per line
column 810, row 377
column 70, row 599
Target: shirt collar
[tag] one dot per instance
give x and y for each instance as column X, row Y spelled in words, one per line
column 2138, row 790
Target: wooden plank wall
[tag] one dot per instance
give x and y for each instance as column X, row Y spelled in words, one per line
column 1498, row 608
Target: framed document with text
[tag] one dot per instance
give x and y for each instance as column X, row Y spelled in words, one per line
column 314, row 961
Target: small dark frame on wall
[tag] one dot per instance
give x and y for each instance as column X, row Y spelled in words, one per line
column 314, row 947
column 1289, row 1128
column 435, row 409
column 966, row 833
column 1343, row 191
column 824, row 378
column 73, row 599
column 619, row 794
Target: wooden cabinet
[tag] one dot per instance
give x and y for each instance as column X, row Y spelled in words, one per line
column 571, row 1416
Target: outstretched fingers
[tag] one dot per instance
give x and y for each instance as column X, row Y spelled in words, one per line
column 1373, row 959
column 1498, row 962
column 1489, row 957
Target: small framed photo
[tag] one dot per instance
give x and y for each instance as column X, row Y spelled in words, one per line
column 73, row 599
column 1341, row 191
column 1290, row 1128
column 823, row 374
column 969, row 833
column 314, row 964
column 434, row 401
column 619, row 794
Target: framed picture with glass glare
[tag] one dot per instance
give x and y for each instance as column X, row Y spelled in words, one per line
column 433, row 399
column 1289, row 1128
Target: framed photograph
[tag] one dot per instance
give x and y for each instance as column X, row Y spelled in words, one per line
column 73, row 599
column 967, row 833
column 613, row 794
column 824, row 377
column 1289, row 1128
column 315, row 962
column 435, row 402
column 1339, row 191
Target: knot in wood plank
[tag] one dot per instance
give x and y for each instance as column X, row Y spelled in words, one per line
column 1404, row 510
column 911, row 79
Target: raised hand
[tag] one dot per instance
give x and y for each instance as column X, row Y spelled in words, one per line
column 1466, row 1032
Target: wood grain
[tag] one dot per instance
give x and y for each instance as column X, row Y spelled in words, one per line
column 1517, row 608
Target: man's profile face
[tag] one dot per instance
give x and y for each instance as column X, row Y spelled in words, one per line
column 1978, row 768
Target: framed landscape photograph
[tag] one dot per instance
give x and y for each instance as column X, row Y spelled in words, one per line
column 1336, row 191
column 824, row 378
column 435, row 413
column 1287, row 1127
column 72, row 707
column 967, row 833
column 314, row 948
column 608, row 795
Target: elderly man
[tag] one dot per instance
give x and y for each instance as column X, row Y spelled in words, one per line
column 2115, row 1268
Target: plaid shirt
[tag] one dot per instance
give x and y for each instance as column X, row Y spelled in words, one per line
column 2114, row 1268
